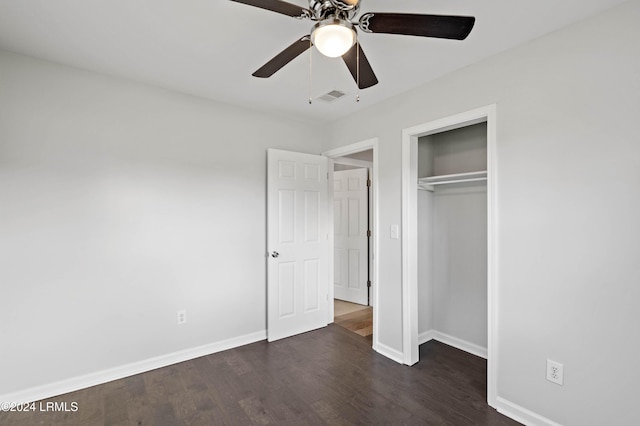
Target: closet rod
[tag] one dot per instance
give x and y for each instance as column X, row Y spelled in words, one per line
column 429, row 186
column 444, row 182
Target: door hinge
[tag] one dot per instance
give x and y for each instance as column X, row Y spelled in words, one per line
column 369, row 284
column 369, row 233
column 369, row 182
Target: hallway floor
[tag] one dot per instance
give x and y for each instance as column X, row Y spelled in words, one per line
column 354, row 317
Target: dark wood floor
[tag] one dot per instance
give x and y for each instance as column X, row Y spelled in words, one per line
column 329, row 376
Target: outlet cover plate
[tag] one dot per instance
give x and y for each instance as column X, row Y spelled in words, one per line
column 555, row 372
column 182, row 316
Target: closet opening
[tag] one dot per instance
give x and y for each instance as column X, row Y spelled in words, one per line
column 448, row 237
column 452, row 238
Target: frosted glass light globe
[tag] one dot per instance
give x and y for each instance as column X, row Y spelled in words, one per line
column 333, row 38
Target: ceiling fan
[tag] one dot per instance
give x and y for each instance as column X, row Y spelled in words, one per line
column 334, row 33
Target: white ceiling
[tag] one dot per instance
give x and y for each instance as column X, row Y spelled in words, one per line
column 209, row 48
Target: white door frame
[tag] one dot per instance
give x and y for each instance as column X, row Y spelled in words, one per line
column 375, row 284
column 410, row 234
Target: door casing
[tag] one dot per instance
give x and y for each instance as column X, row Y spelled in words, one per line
column 410, row 234
column 375, row 228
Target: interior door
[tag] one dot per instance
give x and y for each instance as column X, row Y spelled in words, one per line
column 297, row 243
column 350, row 241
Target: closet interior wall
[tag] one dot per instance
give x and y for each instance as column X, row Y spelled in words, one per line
column 452, row 241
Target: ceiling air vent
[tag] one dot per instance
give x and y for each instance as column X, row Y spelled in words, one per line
column 332, row 96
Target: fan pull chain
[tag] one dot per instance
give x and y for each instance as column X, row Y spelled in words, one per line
column 310, row 70
column 357, row 70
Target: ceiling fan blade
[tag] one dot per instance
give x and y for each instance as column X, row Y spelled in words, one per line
column 279, row 7
column 439, row 26
column 357, row 63
column 284, row 57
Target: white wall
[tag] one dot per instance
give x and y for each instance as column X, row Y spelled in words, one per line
column 459, row 258
column 569, row 169
column 425, row 264
column 119, row 204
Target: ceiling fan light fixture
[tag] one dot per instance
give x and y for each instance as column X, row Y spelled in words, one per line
column 333, row 37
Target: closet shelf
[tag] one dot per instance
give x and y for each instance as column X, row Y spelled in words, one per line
column 427, row 183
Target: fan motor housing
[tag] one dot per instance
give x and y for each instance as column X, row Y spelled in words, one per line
column 346, row 5
column 340, row 9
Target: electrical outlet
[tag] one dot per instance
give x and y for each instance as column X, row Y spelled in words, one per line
column 182, row 316
column 555, row 373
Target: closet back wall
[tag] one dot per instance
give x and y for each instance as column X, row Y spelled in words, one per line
column 121, row 203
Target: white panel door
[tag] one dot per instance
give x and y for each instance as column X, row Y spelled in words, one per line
column 350, row 213
column 297, row 241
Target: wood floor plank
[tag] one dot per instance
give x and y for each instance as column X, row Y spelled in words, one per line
column 164, row 414
column 325, row 377
column 115, row 408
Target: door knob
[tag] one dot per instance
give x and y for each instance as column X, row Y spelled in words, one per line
column 275, row 254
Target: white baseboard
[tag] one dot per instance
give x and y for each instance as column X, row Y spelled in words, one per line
column 521, row 414
column 463, row 345
column 426, row 336
column 389, row 352
column 97, row 378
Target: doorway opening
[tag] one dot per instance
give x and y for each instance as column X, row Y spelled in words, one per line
column 352, row 187
column 351, row 243
column 411, row 256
